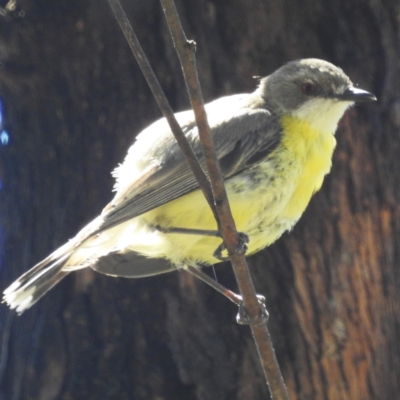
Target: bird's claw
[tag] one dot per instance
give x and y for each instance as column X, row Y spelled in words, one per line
column 243, row 318
column 240, row 249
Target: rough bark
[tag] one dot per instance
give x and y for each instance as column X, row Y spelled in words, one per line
column 73, row 100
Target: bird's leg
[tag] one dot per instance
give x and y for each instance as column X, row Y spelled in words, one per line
column 189, row 231
column 242, row 239
column 242, row 316
column 198, row 273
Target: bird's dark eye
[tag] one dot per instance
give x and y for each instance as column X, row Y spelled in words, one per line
column 308, row 88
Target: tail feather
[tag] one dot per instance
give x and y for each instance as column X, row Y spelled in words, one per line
column 107, row 252
column 34, row 271
column 31, row 286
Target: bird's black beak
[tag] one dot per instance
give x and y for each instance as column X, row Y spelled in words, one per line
column 357, row 95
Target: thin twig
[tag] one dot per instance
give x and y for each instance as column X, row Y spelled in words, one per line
column 186, row 53
column 163, row 103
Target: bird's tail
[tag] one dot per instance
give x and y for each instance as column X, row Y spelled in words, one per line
column 107, row 252
column 31, row 286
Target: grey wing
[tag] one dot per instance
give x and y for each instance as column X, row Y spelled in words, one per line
column 242, row 134
column 132, row 265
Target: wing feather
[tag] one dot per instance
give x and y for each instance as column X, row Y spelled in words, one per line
column 243, row 132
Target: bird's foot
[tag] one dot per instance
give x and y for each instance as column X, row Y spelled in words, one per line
column 240, row 249
column 243, row 318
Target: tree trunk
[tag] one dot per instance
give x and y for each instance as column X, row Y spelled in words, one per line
column 73, row 100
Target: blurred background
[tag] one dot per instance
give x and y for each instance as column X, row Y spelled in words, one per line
column 72, row 100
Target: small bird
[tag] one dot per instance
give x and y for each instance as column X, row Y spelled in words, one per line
column 274, row 146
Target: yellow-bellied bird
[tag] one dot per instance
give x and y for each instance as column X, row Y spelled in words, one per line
column 274, row 147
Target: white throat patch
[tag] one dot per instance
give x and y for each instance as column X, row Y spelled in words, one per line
column 322, row 114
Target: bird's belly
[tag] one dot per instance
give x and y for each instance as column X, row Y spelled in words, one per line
column 266, row 200
column 256, row 212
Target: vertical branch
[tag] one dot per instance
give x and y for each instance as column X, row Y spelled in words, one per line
column 186, row 53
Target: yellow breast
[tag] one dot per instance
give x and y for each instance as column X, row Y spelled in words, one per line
column 266, row 200
column 312, row 150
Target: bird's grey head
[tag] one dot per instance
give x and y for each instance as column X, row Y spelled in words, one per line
column 298, row 81
column 310, row 86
